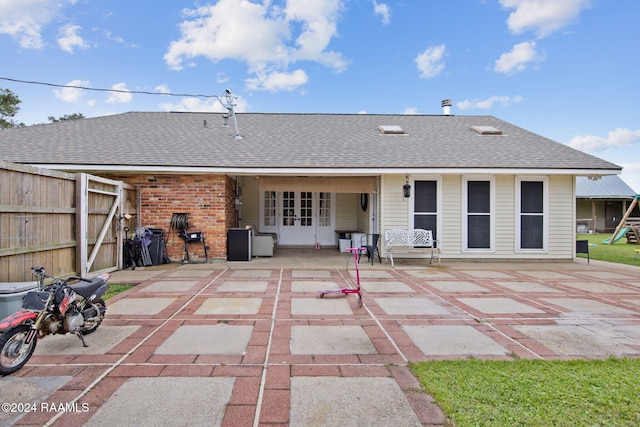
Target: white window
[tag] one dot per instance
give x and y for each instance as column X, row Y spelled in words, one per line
column 269, row 209
column 532, row 211
column 425, row 206
column 478, row 219
column 324, row 206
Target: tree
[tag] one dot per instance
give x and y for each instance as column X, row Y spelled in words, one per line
column 8, row 108
column 66, row 118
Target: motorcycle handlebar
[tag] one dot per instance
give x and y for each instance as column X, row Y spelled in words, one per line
column 40, row 271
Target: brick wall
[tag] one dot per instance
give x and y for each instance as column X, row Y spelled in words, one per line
column 208, row 199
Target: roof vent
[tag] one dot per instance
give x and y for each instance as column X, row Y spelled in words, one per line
column 391, row 130
column 486, row 130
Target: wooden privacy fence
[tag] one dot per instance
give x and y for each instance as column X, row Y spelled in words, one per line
column 67, row 223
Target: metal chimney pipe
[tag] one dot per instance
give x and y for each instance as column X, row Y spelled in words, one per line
column 446, row 106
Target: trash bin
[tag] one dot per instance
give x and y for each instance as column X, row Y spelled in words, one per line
column 12, row 294
column 344, row 244
column 156, row 248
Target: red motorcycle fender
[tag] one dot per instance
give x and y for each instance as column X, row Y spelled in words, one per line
column 16, row 318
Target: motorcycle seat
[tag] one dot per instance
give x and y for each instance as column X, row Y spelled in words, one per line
column 86, row 289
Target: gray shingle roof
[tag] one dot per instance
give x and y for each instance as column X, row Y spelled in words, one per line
column 348, row 141
column 607, row 187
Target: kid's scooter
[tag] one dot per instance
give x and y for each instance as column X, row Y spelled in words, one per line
column 345, row 291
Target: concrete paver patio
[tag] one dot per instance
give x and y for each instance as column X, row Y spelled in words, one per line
column 241, row 344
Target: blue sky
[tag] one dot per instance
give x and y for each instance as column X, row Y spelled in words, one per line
column 564, row 69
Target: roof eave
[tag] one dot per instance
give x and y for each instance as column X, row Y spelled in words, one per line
column 295, row 171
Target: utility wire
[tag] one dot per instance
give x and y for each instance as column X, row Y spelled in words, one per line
column 140, row 92
column 227, row 102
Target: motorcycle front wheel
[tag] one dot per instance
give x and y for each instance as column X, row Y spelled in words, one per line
column 14, row 353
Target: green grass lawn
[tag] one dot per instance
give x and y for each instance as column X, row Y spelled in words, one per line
column 619, row 252
column 115, row 289
column 534, row 392
column 540, row 392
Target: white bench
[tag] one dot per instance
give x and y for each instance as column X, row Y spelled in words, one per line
column 410, row 241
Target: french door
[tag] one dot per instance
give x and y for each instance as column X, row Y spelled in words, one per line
column 304, row 218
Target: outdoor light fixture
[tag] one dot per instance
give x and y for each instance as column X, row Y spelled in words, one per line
column 406, row 189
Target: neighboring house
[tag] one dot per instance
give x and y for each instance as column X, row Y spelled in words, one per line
column 486, row 188
column 601, row 203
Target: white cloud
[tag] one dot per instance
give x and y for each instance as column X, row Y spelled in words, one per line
column 430, row 61
column 276, row 80
column 485, row 104
column 211, row 105
column 221, row 77
column 518, row 59
column 122, row 96
column 118, row 39
column 163, row 88
column 231, row 29
column 383, row 11
column 24, row 19
column 319, row 21
column 68, row 38
column 410, row 110
column 631, row 175
column 616, row 138
column 542, row 16
column 72, row 94
column 264, row 36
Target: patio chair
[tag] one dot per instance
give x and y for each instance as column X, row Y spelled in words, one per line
column 370, row 243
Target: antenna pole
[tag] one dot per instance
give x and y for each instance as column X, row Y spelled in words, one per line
column 232, row 112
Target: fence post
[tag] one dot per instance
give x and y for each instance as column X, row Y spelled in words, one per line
column 82, row 216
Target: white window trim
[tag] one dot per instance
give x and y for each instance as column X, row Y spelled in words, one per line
column 438, row 180
column 465, row 213
column 545, row 214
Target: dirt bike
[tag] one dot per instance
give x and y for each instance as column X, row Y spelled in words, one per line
column 56, row 308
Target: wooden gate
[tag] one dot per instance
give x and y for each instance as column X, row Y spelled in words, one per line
column 68, row 223
column 103, row 208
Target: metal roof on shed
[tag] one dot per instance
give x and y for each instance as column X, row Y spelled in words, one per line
column 606, row 187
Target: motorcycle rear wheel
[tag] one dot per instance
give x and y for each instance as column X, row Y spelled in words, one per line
column 100, row 303
column 13, row 352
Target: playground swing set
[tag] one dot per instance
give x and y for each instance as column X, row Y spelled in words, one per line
column 627, row 227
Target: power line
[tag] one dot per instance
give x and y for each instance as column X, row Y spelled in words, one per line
column 139, row 92
column 228, row 102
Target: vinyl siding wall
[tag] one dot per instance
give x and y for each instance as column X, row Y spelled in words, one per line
column 505, row 215
column 394, row 212
column 450, row 221
column 562, row 217
column 397, row 212
column 346, row 207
